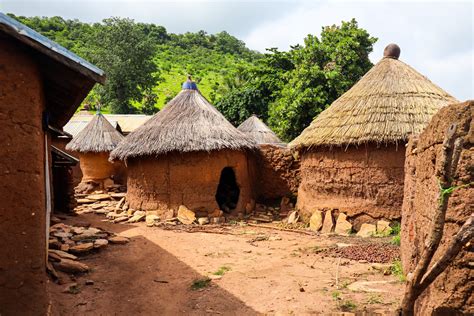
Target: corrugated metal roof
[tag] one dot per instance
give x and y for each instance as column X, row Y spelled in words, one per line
column 73, row 127
column 21, row 31
column 127, row 122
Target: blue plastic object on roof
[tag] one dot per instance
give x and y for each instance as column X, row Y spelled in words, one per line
column 190, row 85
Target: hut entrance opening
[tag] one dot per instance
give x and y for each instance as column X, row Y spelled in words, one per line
column 228, row 191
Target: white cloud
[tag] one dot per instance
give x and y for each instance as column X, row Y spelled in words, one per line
column 435, row 38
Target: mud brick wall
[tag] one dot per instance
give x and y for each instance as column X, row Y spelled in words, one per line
column 76, row 170
column 453, row 289
column 362, row 182
column 278, row 172
column 189, row 179
column 22, row 185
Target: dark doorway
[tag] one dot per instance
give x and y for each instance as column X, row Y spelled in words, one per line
column 228, row 191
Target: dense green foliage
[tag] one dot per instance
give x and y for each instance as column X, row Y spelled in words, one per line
column 297, row 85
column 146, row 66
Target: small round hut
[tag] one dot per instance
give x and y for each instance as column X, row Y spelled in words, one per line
column 277, row 170
column 93, row 145
column 353, row 153
column 187, row 154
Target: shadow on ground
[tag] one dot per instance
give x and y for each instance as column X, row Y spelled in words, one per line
column 140, row 278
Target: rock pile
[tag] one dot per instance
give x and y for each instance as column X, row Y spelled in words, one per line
column 67, row 242
column 323, row 221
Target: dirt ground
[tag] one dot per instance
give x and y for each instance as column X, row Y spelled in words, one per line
column 284, row 274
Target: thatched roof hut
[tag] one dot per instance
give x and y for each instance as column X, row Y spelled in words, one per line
column 254, row 128
column 183, row 153
column 388, row 104
column 93, row 145
column 188, row 123
column 98, row 136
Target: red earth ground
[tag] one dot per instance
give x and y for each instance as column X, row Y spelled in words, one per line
column 153, row 274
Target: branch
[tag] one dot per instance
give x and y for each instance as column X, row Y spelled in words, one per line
column 465, row 234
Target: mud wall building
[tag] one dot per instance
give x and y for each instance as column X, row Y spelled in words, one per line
column 93, row 146
column 277, row 169
column 40, row 88
column 451, row 292
column 187, row 154
column 353, row 153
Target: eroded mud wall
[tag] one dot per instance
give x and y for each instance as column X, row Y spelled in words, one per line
column 452, row 291
column 278, row 172
column 95, row 166
column 22, row 185
column 362, row 182
column 191, row 179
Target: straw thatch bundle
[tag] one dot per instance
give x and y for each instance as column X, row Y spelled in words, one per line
column 258, row 131
column 98, row 136
column 390, row 102
column 188, row 123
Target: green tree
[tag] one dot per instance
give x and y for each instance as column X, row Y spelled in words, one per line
column 125, row 53
column 324, row 69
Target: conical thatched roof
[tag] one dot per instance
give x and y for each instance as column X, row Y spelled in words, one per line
column 390, row 102
column 98, row 136
column 188, row 123
column 258, row 131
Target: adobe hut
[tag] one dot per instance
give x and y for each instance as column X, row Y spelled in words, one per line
column 42, row 85
column 277, row 170
column 93, row 145
column 451, row 292
column 187, row 154
column 353, row 153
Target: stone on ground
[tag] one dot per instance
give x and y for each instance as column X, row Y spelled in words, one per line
column 328, row 224
column 118, row 240
column 185, row 215
column 383, row 227
column 203, row 220
column 343, row 227
column 137, row 216
column 367, row 286
column 367, row 230
column 216, row 213
column 293, row 217
column 98, row 197
column 71, row 266
column 62, row 254
column 100, row 243
column 82, row 248
column 151, row 219
column 316, row 221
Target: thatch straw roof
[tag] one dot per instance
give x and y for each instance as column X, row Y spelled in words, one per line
column 390, row 102
column 258, row 131
column 98, row 136
column 188, row 123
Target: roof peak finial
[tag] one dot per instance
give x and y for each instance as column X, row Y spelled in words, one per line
column 392, row 51
column 189, row 84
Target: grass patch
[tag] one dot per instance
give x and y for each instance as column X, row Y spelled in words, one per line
column 397, row 270
column 374, row 299
column 222, row 270
column 395, row 232
column 347, row 306
column 200, row 283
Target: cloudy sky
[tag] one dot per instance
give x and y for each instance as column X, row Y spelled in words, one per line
column 436, row 37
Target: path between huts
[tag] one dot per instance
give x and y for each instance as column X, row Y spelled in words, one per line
column 253, row 271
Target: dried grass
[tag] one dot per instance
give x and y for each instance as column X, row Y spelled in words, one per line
column 254, row 128
column 388, row 104
column 188, row 123
column 98, row 136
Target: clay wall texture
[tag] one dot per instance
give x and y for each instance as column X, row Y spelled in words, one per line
column 97, row 167
column 277, row 172
column 452, row 290
column 189, row 179
column 22, row 185
column 362, row 182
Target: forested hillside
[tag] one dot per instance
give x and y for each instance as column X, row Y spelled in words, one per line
column 146, row 66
